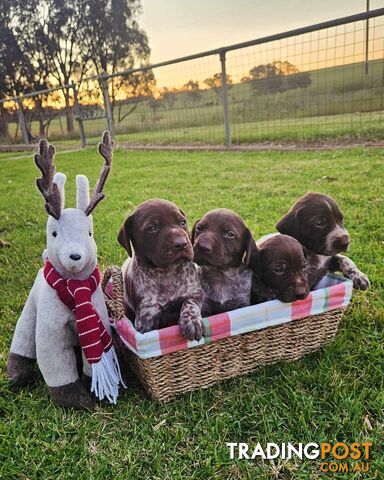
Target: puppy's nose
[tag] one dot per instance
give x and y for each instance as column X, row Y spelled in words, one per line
column 204, row 247
column 301, row 292
column 75, row 256
column 180, row 243
column 343, row 242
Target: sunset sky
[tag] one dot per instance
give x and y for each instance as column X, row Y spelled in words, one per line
column 180, row 27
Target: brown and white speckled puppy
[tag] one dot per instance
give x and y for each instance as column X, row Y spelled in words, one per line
column 279, row 270
column 316, row 221
column 223, row 246
column 161, row 281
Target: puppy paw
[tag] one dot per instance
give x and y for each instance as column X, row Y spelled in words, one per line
column 360, row 281
column 144, row 326
column 191, row 327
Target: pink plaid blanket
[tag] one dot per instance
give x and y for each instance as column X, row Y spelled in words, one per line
column 332, row 292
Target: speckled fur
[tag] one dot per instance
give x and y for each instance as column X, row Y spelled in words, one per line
column 157, row 297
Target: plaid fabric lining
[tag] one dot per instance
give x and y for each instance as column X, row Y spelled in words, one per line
column 332, row 292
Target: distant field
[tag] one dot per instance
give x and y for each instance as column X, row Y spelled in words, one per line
column 341, row 104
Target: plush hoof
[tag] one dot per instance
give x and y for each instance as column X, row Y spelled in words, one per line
column 86, row 381
column 20, row 370
column 72, row 395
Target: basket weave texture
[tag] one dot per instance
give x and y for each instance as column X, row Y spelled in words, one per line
column 166, row 376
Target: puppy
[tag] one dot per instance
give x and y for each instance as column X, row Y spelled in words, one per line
column 161, row 281
column 316, row 221
column 279, row 270
column 223, row 245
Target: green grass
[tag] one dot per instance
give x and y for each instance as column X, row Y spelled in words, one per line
column 336, row 394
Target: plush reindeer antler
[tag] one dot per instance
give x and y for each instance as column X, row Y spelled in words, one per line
column 105, row 150
column 46, row 185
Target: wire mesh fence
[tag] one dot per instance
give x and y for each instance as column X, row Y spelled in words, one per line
column 319, row 83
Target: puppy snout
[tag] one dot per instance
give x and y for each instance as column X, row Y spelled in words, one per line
column 179, row 243
column 75, row 256
column 301, row 292
column 342, row 242
column 204, row 246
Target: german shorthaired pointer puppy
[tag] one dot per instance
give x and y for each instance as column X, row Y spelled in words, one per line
column 316, row 221
column 223, row 246
column 161, row 281
column 279, row 270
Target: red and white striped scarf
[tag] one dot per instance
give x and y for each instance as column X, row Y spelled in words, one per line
column 94, row 338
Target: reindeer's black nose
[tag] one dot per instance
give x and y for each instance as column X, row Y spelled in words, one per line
column 75, row 256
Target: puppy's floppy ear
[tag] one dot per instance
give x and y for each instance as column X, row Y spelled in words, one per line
column 125, row 235
column 251, row 253
column 305, row 251
column 289, row 224
column 193, row 233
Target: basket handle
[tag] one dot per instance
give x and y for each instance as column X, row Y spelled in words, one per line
column 115, row 304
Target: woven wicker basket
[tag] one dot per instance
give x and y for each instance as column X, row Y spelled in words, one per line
column 185, row 370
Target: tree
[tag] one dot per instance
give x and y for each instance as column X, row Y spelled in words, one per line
column 112, row 39
column 193, row 89
column 299, row 80
column 14, row 65
column 46, row 43
column 215, row 82
column 60, row 25
column 132, row 88
column 276, row 77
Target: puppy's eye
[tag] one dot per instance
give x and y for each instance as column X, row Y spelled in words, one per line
column 54, row 233
column 229, row 234
column 280, row 268
column 321, row 222
column 183, row 223
column 151, row 229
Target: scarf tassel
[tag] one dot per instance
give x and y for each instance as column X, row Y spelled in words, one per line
column 106, row 377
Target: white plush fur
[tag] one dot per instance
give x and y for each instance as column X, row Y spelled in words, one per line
column 46, row 329
column 82, row 187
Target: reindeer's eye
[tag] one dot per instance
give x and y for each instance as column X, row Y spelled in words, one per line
column 54, row 233
column 90, row 234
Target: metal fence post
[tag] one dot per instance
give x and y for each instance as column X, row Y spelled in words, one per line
column 366, row 41
column 23, row 125
column 224, row 91
column 76, row 106
column 107, row 103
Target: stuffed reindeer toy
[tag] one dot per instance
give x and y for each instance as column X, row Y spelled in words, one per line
column 66, row 306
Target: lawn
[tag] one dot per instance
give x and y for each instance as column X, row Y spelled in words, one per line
column 336, row 394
